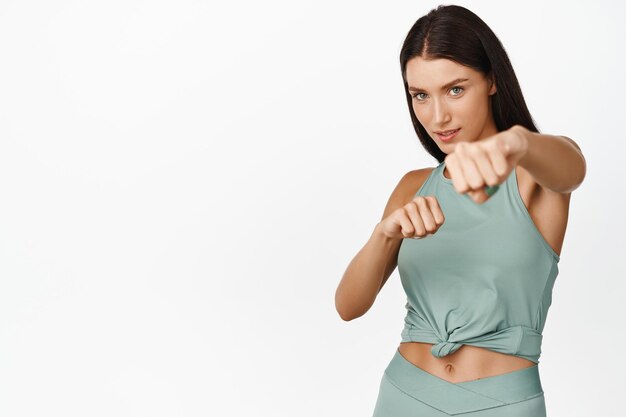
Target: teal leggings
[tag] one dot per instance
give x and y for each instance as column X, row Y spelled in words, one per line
column 408, row 391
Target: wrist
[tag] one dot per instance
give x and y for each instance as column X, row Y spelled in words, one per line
column 379, row 236
column 523, row 137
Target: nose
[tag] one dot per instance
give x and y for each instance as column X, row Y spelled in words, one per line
column 441, row 116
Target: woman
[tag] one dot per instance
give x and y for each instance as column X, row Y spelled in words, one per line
column 487, row 226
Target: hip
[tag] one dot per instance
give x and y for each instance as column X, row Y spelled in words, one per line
column 407, row 390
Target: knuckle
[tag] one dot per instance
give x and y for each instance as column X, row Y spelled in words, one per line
column 476, row 182
column 410, row 208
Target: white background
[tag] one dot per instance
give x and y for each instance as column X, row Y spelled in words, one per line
column 183, row 183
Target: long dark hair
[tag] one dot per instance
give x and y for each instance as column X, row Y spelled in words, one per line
column 455, row 33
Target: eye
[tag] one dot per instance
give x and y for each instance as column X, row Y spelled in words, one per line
column 461, row 88
column 415, row 95
column 453, row 88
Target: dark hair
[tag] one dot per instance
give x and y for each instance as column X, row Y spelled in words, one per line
column 455, row 33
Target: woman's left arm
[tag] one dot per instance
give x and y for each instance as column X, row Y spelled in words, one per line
column 555, row 162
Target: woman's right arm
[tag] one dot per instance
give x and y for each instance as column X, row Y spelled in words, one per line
column 375, row 262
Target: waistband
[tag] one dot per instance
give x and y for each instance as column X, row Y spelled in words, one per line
column 463, row 397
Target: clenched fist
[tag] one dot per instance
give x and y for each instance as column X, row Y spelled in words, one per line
column 419, row 218
column 477, row 168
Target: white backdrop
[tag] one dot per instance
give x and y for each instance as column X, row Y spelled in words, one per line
column 183, row 184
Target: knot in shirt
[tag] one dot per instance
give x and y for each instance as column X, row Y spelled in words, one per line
column 445, row 348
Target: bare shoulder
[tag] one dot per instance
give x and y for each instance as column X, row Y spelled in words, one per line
column 406, row 189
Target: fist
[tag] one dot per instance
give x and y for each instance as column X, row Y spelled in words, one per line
column 477, row 168
column 419, row 218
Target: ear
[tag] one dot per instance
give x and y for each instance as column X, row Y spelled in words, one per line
column 492, row 81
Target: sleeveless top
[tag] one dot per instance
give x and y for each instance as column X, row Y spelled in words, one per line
column 485, row 277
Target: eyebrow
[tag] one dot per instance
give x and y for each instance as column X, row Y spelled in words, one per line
column 458, row 80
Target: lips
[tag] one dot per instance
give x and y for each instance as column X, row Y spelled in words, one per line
column 447, row 134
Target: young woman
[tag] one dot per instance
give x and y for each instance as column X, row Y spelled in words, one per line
column 477, row 239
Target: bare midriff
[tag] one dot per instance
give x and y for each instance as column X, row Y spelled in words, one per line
column 468, row 363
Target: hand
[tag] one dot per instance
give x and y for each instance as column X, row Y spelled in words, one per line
column 489, row 162
column 419, row 218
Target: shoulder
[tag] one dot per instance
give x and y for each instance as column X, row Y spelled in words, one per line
column 413, row 180
column 406, row 188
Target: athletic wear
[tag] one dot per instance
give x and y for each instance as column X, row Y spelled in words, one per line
column 408, row 391
column 485, row 278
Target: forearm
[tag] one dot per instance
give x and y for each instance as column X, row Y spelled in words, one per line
column 555, row 162
column 363, row 278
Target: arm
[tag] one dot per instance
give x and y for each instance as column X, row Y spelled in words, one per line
column 555, row 162
column 365, row 275
column 375, row 262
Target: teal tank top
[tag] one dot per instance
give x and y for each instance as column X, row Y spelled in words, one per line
column 485, row 278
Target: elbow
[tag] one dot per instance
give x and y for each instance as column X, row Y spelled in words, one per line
column 344, row 310
column 344, row 316
column 348, row 317
column 581, row 169
column 350, row 314
column 581, row 173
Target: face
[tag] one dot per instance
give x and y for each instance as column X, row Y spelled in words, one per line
column 441, row 104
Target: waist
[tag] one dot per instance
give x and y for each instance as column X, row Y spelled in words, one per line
column 519, row 340
column 468, row 363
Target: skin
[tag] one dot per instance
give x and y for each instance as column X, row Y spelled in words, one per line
column 469, row 108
